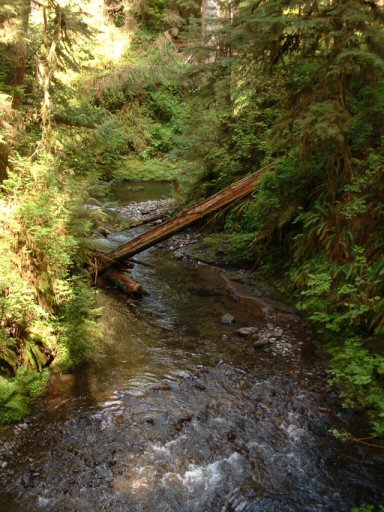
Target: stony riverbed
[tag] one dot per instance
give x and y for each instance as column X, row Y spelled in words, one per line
column 189, row 411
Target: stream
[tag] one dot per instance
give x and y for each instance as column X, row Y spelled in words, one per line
column 183, row 414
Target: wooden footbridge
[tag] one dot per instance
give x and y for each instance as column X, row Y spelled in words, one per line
column 153, row 236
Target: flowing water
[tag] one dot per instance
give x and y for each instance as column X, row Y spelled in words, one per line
column 184, row 415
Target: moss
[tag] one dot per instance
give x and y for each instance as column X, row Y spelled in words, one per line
column 228, row 249
column 154, row 169
column 17, row 394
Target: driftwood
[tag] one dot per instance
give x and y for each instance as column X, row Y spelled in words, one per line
column 225, row 197
column 125, row 283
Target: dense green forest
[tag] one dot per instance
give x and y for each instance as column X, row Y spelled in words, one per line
column 94, row 92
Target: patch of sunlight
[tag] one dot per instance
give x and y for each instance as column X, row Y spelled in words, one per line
column 110, row 42
column 111, row 45
column 64, row 3
column 4, row 99
column 241, row 102
column 290, row 11
column 36, row 16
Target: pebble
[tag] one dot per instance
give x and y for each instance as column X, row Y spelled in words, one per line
column 147, row 208
column 42, row 502
column 184, row 375
column 178, row 255
column 26, row 478
column 243, row 384
column 261, row 343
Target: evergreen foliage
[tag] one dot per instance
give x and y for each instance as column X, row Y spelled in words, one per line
column 305, row 81
column 46, row 304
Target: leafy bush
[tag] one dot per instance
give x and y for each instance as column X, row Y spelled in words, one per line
column 45, row 301
column 17, row 394
column 361, row 375
column 368, row 508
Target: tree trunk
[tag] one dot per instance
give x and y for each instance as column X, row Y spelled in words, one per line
column 19, row 76
column 46, row 70
column 4, row 152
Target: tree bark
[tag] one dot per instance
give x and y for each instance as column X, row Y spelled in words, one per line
column 125, row 283
column 4, row 152
column 46, row 70
column 19, row 76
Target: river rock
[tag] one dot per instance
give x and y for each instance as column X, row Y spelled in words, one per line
column 26, row 478
column 42, row 502
column 178, row 254
column 184, row 375
column 245, row 332
column 262, row 342
column 227, row 318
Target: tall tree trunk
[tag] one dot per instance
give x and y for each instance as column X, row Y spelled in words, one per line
column 210, row 14
column 19, row 76
column 4, row 152
column 46, row 70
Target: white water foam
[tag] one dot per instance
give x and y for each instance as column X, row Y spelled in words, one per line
column 207, row 476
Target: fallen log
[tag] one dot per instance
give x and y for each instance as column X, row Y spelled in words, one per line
column 125, row 283
column 225, row 197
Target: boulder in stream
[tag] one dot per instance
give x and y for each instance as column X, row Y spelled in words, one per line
column 262, row 342
column 246, row 332
column 178, row 254
column 227, row 318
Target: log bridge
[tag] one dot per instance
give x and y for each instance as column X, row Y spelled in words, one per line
column 153, row 236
